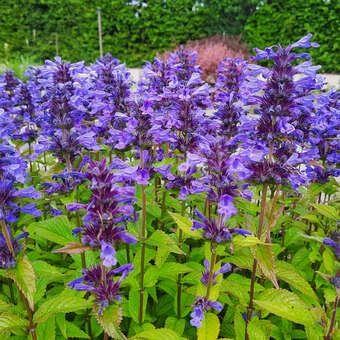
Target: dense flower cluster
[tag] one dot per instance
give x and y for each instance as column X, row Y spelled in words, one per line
column 110, row 206
column 105, row 291
column 172, row 138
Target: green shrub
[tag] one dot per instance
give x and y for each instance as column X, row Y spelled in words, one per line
column 285, row 20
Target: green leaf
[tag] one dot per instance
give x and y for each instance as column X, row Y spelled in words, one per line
column 57, row 229
column 239, row 326
column 151, row 276
column 287, row 305
column 329, row 261
column 286, row 272
column 74, row 331
column 210, row 327
column 152, row 207
column 259, row 329
column 161, row 256
column 61, row 322
column 110, row 320
column 23, row 275
column 250, row 240
column 157, row 334
column 62, row 303
column 160, row 239
column 4, row 306
column 172, row 269
column 175, row 324
column 236, row 289
column 311, row 218
column 266, row 261
column 9, row 322
column 46, row 330
column 134, row 304
column 185, row 224
column 327, row 211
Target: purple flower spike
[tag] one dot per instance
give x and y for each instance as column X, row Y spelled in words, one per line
column 107, row 254
column 201, row 305
column 334, row 244
column 197, row 317
column 205, row 276
column 226, row 207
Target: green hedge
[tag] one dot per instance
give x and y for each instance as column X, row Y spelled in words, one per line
column 285, row 21
column 132, row 32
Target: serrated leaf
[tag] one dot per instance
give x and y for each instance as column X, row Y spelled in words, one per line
column 23, row 275
column 327, row 210
column 45, row 270
column 4, row 306
column 74, row 331
column 46, row 330
column 60, row 304
column 311, row 218
column 286, row 272
column 160, row 239
column 250, row 240
column 239, row 326
column 313, row 238
column 185, row 224
column 151, row 276
column 329, row 261
column 175, row 324
column 9, row 322
column 110, row 320
column 161, row 256
column 157, row 334
column 266, row 261
column 236, row 289
column 57, row 229
column 259, row 329
column 210, row 327
column 61, row 322
column 172, row 269
column 242, row 258
column 287, row 305
column 73, row 248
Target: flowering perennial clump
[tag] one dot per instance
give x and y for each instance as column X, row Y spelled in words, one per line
column 181, row 203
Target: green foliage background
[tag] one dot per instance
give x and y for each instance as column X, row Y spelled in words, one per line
column 134, row 32
column 285, row 21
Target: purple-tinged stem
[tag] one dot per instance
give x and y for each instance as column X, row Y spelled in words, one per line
column 142, row 239
column 329, row 334
column 7, row 237
column 211, row 270
column 179, row 276
column 29, row 315
column 253, row 274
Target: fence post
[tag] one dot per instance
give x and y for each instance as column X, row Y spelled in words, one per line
column 100, row 33
column 56, row 44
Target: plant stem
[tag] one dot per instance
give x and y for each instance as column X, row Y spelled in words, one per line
column 329, row 334
column 7, row 237
column 253, row 274
column 211, row 270
column 274, row 201
column 163, row 207
column 179, row 276
column 29, row 315
column 142, row 238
